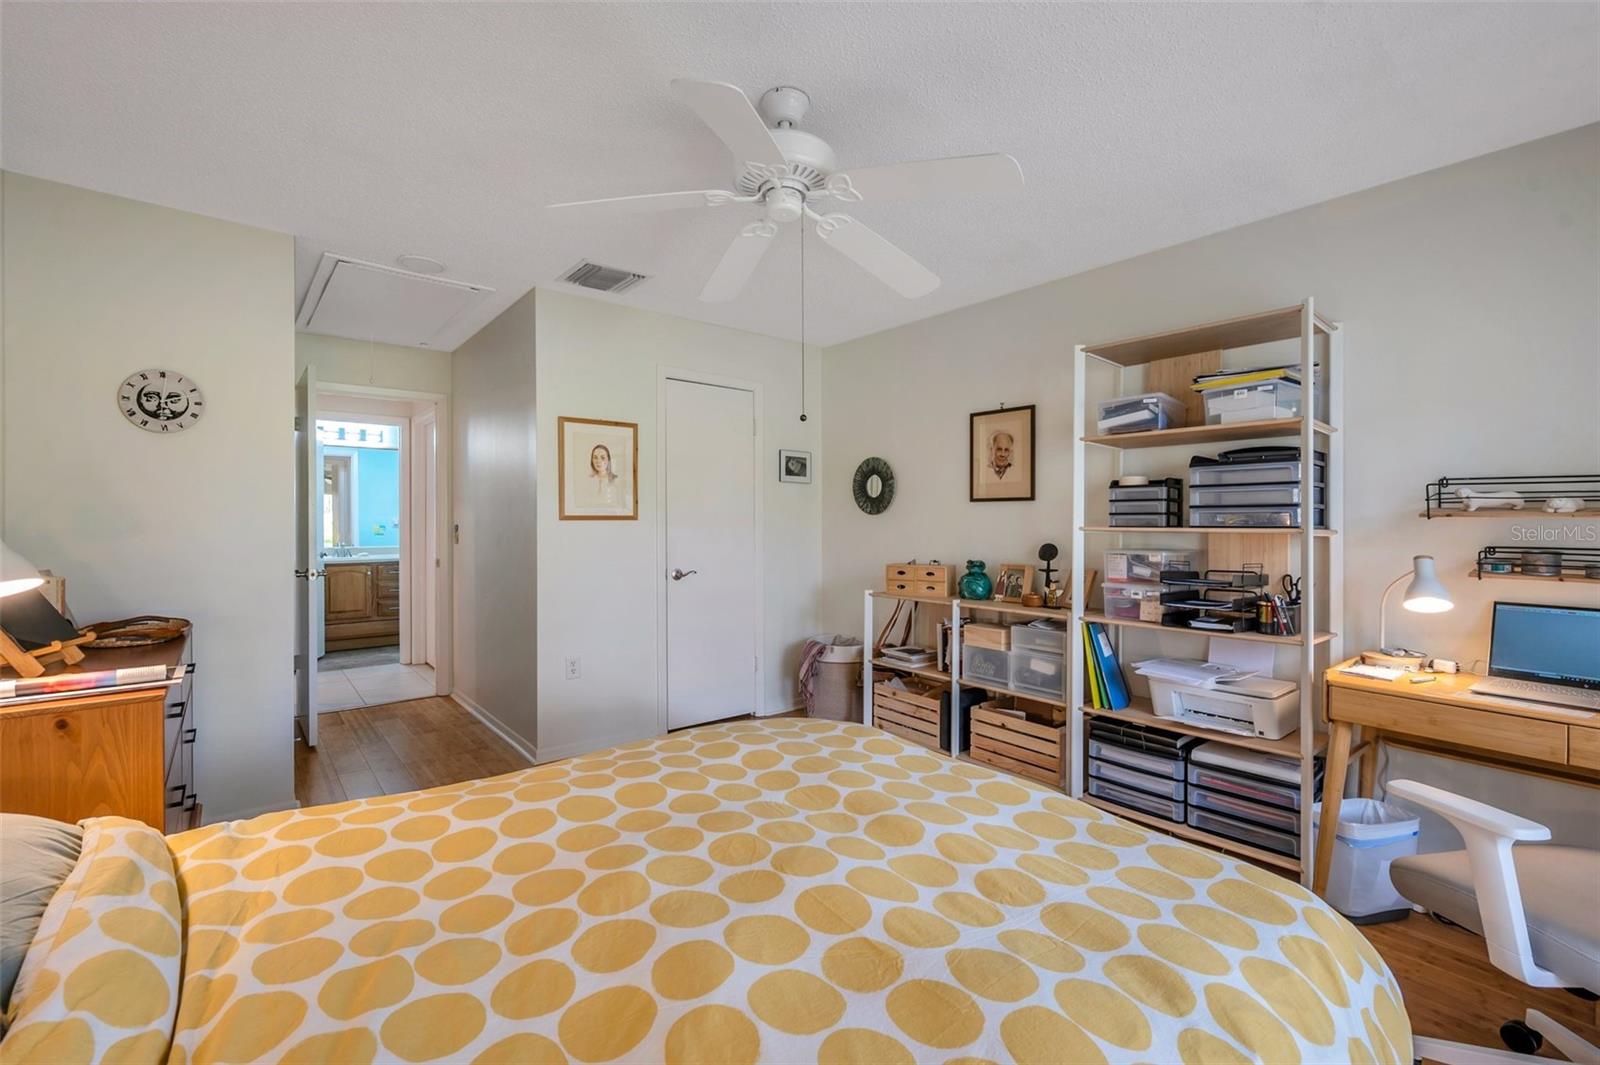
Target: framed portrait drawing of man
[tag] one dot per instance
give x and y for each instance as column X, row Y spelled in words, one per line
column 1002, row 455
column 599, row 464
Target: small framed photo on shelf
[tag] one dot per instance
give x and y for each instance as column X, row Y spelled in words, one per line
column 794, row 467
column 1001, row 455
column 599, row 464
column 1013, row 582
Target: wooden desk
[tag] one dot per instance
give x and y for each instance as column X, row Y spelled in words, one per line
column 128, row 753
column 1444, row 718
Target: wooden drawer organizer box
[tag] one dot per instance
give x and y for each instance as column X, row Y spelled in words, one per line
column 1029, row 739
column 915, row 579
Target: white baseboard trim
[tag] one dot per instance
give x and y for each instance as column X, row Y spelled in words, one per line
column 495, row 725
column 779, row 713
column 290, row 803
column 572, row 750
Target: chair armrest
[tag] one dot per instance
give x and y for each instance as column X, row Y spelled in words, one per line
column 1489, row 834
column 1460, row 810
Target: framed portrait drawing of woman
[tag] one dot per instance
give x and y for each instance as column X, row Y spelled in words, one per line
column 1001, row 456
column 599, row 463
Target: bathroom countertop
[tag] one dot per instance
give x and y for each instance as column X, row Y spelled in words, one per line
column 341, row 560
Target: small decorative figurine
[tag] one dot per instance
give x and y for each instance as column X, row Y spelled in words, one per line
column 1489, row 500
column 1563, row 505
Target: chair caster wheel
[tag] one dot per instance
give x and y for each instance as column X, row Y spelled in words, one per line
column 1520, row 1038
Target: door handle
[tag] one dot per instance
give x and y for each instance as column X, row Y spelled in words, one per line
column 680, row 574
column 310, row 574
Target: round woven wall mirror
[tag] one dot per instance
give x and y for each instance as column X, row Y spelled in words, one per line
column 873, row 486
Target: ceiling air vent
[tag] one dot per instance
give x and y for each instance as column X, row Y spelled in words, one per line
column 602, row 278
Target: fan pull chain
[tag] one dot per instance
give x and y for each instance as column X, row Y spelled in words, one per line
column 802, row 230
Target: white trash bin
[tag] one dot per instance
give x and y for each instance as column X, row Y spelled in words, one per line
column 1370, row 835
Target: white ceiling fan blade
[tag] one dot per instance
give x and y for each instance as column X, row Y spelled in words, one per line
column 731, row 116
column 875, row 255
column 965, row 175
column 654, row 201
column 739, row 262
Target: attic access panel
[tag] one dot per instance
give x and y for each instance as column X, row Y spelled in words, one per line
column 364, row 301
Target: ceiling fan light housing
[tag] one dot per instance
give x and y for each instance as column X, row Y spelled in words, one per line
column 785, row 203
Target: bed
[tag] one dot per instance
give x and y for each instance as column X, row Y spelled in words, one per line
column 791, row 890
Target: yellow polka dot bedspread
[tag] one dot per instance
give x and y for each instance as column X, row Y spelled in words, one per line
column 786, row 891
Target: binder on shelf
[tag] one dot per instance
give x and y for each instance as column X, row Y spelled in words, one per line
column 1110, row 672
column 1091, row 670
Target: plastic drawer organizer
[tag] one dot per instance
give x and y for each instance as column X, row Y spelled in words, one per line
column 986, row 664
column 1051, row 641
column 1251, row 495
column 1251, row 518
column 1147, row 564
column 1137, row 414
column 1163, row 786
column 1039, row 673
column 1251, row 473
column 1244, row 832
column 1144, row 802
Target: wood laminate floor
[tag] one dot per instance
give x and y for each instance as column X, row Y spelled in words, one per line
column 1451, row 990
column 379, row 750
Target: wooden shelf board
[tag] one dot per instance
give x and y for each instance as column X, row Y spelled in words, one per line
column 1017, row 609
column 1587, row 514
column 1203, row 434
column 1321, row 637
column 941, row 600
column 1192, row 530
column 930, row 674
column 1573, row 578
column 1242, row 332
column 998, row 690
column 1221, row 843
column 1140, row 713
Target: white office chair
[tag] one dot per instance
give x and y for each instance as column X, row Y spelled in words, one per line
column 1538, row 911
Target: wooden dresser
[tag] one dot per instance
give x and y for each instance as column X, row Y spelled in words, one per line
column 128, row 753
column 362, row 604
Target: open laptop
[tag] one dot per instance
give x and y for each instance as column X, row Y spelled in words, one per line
column 1545, row 654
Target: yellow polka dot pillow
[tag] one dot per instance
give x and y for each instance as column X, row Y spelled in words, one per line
column 100, row 982
column 785, row 891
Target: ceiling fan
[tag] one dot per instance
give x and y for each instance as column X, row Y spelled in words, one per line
column 790, row 174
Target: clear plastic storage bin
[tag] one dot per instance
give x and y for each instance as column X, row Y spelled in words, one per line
column 1251, row 517
column 1133, row 602
column 1136, row 800
column 1131, row 778
column 1244, row 832
column 1254, row 812
column 985, row 664
column 1170, row 519
column 1051, row 641
column 1251, row 495
column 1039, row 673
column 1259, row 401
column 1251, row 473
column 1138, row 414
column 1147, row 564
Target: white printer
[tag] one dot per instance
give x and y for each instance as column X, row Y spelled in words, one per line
column 1252, row 706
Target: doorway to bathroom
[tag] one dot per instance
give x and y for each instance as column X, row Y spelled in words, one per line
column 372, row 512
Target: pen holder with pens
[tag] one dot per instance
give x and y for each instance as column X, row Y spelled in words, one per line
column 1277, row 616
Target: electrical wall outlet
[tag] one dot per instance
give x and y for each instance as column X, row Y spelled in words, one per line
column 574, row 668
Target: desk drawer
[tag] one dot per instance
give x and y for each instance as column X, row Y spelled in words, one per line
column 1505, row 734
column 1583, row 747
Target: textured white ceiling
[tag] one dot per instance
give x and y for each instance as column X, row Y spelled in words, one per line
column 443, row 129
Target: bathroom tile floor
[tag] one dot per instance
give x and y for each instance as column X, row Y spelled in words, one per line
column 373, row 685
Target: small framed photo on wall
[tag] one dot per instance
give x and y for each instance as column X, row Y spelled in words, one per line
column 1001, row 455
column 599, row 463
column 794, row 467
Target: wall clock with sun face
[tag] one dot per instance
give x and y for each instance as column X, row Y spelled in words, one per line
column 160, row 401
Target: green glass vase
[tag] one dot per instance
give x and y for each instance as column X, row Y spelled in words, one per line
column 976, row 584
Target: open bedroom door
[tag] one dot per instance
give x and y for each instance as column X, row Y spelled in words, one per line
column 307, row 555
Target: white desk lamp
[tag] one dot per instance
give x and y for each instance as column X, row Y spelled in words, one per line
column 17, row 575
column 1424, row 595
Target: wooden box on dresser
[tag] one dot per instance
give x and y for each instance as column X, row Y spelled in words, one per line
column 128, row 753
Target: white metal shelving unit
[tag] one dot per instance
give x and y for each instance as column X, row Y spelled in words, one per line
column 1315, row 556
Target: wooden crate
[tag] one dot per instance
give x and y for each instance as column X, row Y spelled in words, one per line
column 1006, row 738
column 911, row 578
column 995, row 637
column 912, row 713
